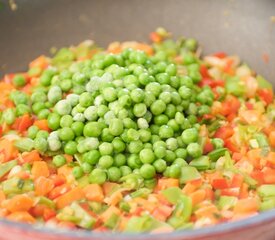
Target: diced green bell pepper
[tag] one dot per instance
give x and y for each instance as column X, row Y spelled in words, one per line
column 16, row 186
column 226, row 202
column 24, row 144
column 142, row 192
column 263, row 83
column 189, row 173
column 267, row 190
column 201, row 163
column 216, row 154
column 234, row 86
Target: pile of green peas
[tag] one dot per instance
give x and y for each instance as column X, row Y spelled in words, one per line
column 120, row 114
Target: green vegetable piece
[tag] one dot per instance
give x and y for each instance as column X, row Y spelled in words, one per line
column 189, row 173
column 216, row 154
column 112, row 221
column 182, row 212
column 234, row 86
column 47, row 202
column 263, row 83
column 226, row 202
column 139, row 224
column 6, row 167
column 267, row 190
column 16, row 186
column 201, row 163
column 172, row 194
column 24, row 144
column 142, row 192
column 86, row 220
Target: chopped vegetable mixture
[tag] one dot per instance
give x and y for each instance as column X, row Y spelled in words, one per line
column 136, row 138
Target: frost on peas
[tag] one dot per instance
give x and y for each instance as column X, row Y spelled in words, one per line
column 73, row 99
column 109, row 116
column 79, row 117
column 54, row 94
column 90, row 113
column 142, row 123
column 63, row 107
column 54, row 143
column 90, row 143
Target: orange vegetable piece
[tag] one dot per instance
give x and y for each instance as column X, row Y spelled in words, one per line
column 43, row 186
column 164, row 183
column 69, row 197
column 108, row 187
column 64, row 170
column 40, row 168
column 21, row 216
column 69, row 158
column 269, row 175
column 114, row 199
column 42, row 124
column 109, row 212
column 59, row 190
column 248, row 205
column 206, row 211
column 41, row 62
column 94, row 192
column 189, row 188
column 2, row 196
column 7, row 150
column 271, row 157
column 198, row 196
column 20, row 203
column 31, row 156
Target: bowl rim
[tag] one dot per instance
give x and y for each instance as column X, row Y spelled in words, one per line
column 221, row 228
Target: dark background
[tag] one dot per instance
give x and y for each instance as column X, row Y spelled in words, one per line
column 242, row 27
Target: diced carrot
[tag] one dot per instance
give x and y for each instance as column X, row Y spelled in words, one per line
column 32, row 156
column 271, row 157
column 41, row 62
column 244, row 191
column 69, row 197
column 21, row 216
column 237, row 181
column 64, row 170
column 2, row 196
column 94, row 192
column 20, row 203
column 254, row 157
column 269, row 175
column 271, row 139
column 237, row 156
column 145, row 47
column 109, row 212
column 206, row 211
column 59, row 190
column 198, row 196
column 246, row 205
column 8, row 150
column 224, row 132
column 42, row 124
column 114, row 199
column 69, row 158
column 37, row 210
column 40, row 169
column 163, row 212
column 109, row 187
column 189, row 188
column 164, row 183
column 43, row 186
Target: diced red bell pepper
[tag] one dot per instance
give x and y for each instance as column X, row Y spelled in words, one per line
column 237, row 181
column 230, row 192
column 220, row 54
column 228, row 143
column 220, row 183
column 208, row 147
column 204, row 72
column 224, row 132
column 266, row 95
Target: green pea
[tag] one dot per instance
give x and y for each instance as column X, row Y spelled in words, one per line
column 106, row 148
column 41, row 144
column 119, row 160
column 77, row 172
column 54, row 94
column 92, row 129
column 66, row 134
column 119, row 145
column 165, row 131
column 160, row 165
column 147, row 171
column 147, row 156
column 66, row 121
column 174, row 171
column 158, row 107
column 70, row 148
column 77, row 128
column 114, row 174
column 116, row 127
column 105, row 161
column 22, row 109
column 190, row 135
column 97, row 176
column 194, row 150
column 86, row 167
column 32, row 131
column 19, row 80
column 59, row 160
column 125, row 170
column 91, row 157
